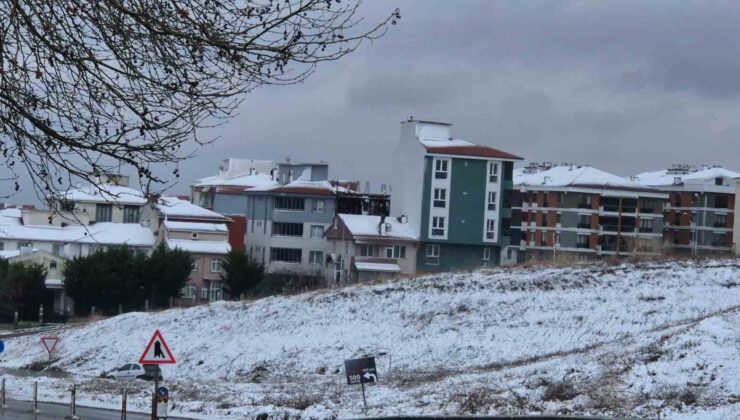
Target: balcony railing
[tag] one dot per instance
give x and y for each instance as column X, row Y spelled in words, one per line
column 584, row 226
column 720, row 225
column 646, row 230
column 583, row 246
column 584, row 206
column 609, row 228
column 647, row 210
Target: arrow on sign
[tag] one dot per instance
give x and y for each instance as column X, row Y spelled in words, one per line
column 369, row 375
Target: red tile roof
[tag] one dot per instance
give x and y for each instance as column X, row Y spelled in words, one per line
column 472, row 150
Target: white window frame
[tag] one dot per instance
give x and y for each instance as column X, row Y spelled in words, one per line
column 396, row 252
column 311, row 254
column 440, row 196
column 318, row 228
column 491, row 201
column 318, row 206
column 441, row 168
column 486, row 254
column 432, row 254
column 194, row 236
column 215, row 265
column 492, row 172
column 438, row 223
column 490, row 228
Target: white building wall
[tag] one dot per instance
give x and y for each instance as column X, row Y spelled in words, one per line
column 408, row 169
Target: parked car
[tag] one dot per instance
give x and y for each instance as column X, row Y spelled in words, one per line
column 136, row 371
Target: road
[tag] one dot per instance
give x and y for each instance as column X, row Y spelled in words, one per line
column 21, row 410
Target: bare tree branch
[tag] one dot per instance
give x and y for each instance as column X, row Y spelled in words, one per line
column 88, row 86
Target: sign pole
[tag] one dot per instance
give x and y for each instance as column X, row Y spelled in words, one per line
column 154, row 396
column 2, row 396
column 123, row 403
column 364, row 401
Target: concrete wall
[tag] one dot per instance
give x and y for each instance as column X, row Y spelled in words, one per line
column 408, row 174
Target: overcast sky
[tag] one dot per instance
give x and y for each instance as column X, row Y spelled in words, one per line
column 625, row 86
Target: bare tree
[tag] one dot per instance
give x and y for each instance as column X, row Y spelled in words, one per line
column 88, row 86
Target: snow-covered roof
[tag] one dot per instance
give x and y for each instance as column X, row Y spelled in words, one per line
column 6, row 255
column 103, row 193
column 10, row 216
column 689, row 177
column 463, row 148
column 243, row 181
column 131, row 234
column 195, row 227
column 369, row 226
column 382, row 267
column 177, row 207
column 200, row 247
column 574, row 176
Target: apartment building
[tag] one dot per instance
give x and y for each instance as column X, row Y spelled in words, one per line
column 235, row 175
column 109, row 200
column 700, row 213
column 364, row 248
column 455, row 194
column 286, row 221
column 54, row 266
column 203, row 233
column 579, row 210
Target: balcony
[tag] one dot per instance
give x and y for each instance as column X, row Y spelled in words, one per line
column 720, row 225
column 585, row 206
column 583, row 246
column 646, row 230
column 584, row 226
column 609, row 228
column 647, row 210
column 610, row 208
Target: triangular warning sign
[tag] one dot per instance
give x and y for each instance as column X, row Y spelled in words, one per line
column 50, row 343
column 157, row 352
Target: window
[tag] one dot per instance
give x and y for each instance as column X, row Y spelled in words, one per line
column 395, row 251
column 315, row 257
column 288, row 255
column 188, row 291
column 317, row 232
column 52, row 265
column 584, row 221
column 584, row 201
column 204, row 293
column 438, row 226
column 432, row 254
column 492, row 172
column 559, row 218
column 720, row 220
column 2, row 246
column 290, row 203
column 103, row 212
column 194, row 236
column 216, row 290
column 441, row 169
column 490, row 229
column 491, row 200
column 195, row 264
column 557, row 238
column 718, row 181
column 130, row 214
column 486, row 254
column 215, row 265
column 287, row 229
column 24, row 244
column 440, row 197
column 582, row 241
column 368, row 251
column 318, row 206
column 646, row 225
column 56, row 249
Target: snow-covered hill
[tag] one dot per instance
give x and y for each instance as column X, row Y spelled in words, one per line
column 628, row 339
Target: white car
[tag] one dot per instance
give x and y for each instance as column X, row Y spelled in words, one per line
column 128, row 372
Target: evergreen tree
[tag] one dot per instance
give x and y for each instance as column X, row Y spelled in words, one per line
column 165, row 272
column 240, row 273
column 23, row 288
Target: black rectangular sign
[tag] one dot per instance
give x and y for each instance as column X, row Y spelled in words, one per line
column 360, row 371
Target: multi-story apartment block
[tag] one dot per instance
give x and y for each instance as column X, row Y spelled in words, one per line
column 582, row 211
column 455, row 194
column 699, row 216
column 363, row 248
column 235, row 175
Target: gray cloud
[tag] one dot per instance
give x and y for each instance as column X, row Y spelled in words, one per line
column 625, row 86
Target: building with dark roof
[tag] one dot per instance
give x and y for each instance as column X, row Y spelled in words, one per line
column 455, row 194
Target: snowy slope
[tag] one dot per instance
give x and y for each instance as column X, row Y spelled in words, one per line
column 445, row 333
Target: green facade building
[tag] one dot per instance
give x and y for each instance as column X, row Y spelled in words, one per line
column 456, row 195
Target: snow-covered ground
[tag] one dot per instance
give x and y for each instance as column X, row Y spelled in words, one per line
column 653, row 339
